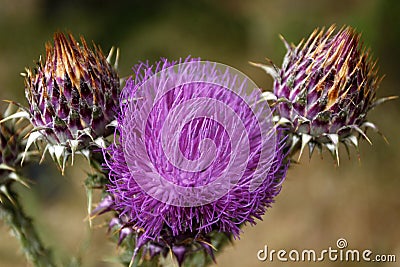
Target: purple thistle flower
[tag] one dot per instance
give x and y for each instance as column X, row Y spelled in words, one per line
column 159, row 174
column 324, row 90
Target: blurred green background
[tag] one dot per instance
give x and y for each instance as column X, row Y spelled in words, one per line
column 319, row 203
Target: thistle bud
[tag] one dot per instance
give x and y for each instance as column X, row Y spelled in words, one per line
column 12, row 146
column 324, row 90
column 72, row 96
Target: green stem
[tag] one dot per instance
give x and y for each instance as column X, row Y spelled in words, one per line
column 22, row 227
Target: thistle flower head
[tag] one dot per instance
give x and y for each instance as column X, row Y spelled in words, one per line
column 325, row 88
column 192, row 155
column 72, row 96
column 12, row 150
